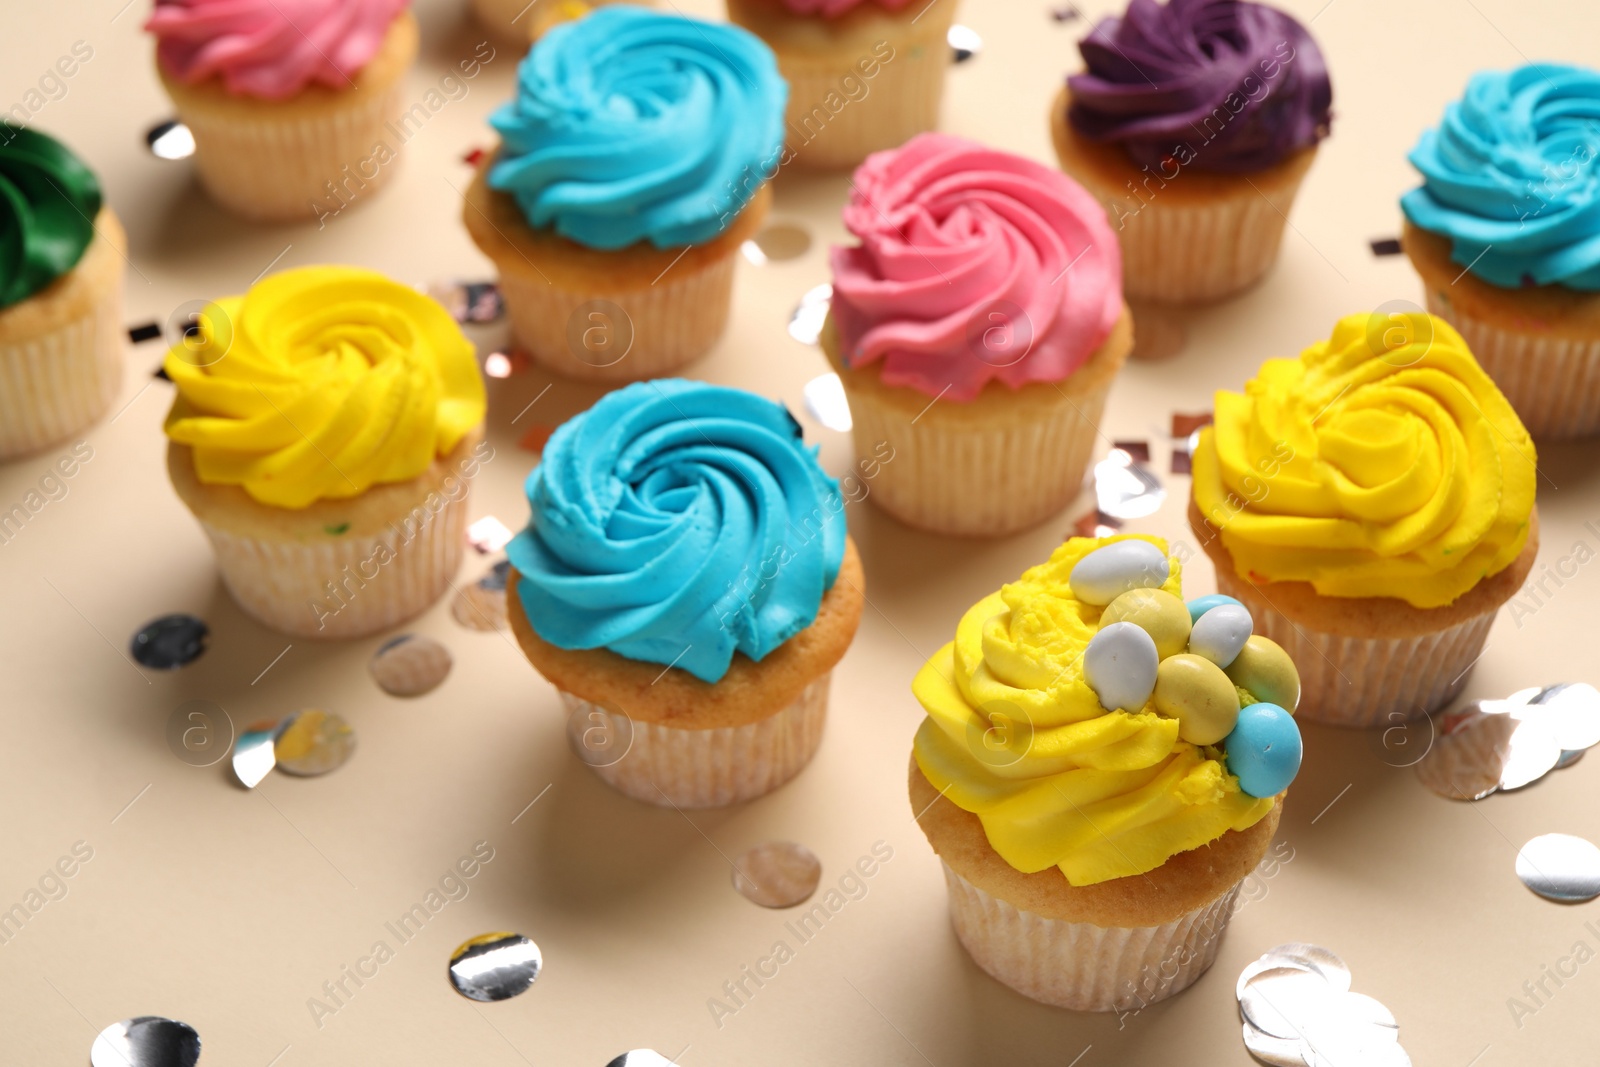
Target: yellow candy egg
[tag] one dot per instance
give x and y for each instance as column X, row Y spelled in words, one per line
column 1155, row 611
column 1199, row 695
column 1264, row 668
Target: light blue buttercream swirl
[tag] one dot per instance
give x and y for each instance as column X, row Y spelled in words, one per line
column 678, row 522
column 631, row 125
column 1512, row 177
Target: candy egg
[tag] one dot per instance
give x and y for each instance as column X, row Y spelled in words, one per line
column 1265, row 669
column 1156, row 612
column 1264, row 750
column 1220, row 633
column 1120, row 666
column 1107, row 573
column 1202, row 604
column 1194, row 691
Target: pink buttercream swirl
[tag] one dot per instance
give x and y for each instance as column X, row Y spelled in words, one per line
column 270, row 48
column 832, row 9
column 974, row 265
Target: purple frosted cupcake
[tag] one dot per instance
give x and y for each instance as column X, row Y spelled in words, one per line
column 1194, row 123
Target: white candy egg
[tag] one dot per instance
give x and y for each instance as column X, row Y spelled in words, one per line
column 1120, row 665
column 1220, row 633
column 1107, row 573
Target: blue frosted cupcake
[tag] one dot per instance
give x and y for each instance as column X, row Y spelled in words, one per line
column 1505, row 232
column 633, row 164
column 686, row 582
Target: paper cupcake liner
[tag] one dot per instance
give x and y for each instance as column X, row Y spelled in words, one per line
column 901, row 100
column 579, row 334
column 296, row 165
column 1552, row 382
column 1362, row 682
column 672, row 767
column 339, row 588
column 1186, row 253
column 978, row 481
column 61, row 382
column 1082, row 966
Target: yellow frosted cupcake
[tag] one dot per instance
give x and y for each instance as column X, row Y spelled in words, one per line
column 686, row 582
column 61, row 271
column 326, row 432
column 524, row 21
column 977, row 328
column 1372, row 503
column 292, row 118
column 1194, row 123
column 633, row 164
column 864, row 75
column 1101, row 767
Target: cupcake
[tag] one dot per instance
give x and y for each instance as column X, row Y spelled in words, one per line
column 60, row 294
column 633, row 165
column 1101, row 767
column 522, row 21
column 864, row 75
column 292, row 118
column 686, row 583
column 326, row 431
column 976, row 327
column 1194, row 123
column 1503, row 231
column 1371, row 503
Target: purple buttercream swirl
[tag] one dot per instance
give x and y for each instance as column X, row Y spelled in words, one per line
column 1239, row 86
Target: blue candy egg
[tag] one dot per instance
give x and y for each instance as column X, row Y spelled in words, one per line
column 1264, row 750
column 1202, row 604
column 1220, row 633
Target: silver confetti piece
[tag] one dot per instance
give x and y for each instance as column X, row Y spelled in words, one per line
column 778, row 243
column 777, row 874
column 1302, row 956
column 308, row 743
column 1560, row 867
column 146, row 1041
column 826, row 402
column 410, row 665
column 1571, row 712
column 1278, row 1000
column 170, row 140
column 1273, row 1051
column 641, row 1057
column 805, row 324
column 495, row 966
column 1126, row 489
column 964, row 42
column 253, row 756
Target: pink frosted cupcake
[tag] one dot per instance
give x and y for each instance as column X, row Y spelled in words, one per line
column 864, row 75
column 977, row 328
column 292, row 118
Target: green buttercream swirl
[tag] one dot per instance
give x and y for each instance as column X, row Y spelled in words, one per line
column 48, row 203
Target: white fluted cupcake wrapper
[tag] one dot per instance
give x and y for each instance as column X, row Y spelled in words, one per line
column 827, row 129
column 1080, row 965
column 983, row 481
column 1360, row 681
column 60, row 383
column 298, row 166
column 1185, row 253
column 673, row 767
column 580, row 334
column 1552, row 382
column 343, row 588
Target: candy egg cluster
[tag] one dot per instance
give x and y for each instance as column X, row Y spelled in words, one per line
column 1200, row 663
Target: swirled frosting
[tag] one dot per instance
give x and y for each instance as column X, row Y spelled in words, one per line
column 832, row 9
column 1511, row 178
column 321, row 382
column 48, row 202
column 270, row 49
column 974, row 266
column 630, row 125
column 1237, row 85
column 1382, row 462
column 1015, row 735
column 677, row 522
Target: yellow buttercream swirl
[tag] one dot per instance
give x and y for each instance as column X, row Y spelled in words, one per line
column 1015, row 735
column 1381, row 462
column 320, row 383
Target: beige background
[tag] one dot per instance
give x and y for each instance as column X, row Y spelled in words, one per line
column 230, row 909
